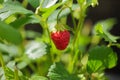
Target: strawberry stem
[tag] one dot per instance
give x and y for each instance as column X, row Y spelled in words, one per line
column 58, row 15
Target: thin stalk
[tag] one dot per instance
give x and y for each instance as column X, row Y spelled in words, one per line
column 59, row 14
column 110, row 44
column 38, row 8
column 16, row 74
column 24, row 3
column 3, row 64
column 2, row 61
column 73, row 19
column 75, row 45
column 74, row 23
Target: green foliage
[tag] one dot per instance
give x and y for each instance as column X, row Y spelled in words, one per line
column 7, row 33
column 38, row 78
column 25, row 20
column 1, row 1
column 34, row 3
column 101, row 58
column 48, row 11
column 10, row 8
column 47, row 3
column 25, row 59
column 102, row 29
column 64, row 13
column 58, row 72
column 35, row 49
column 11, row 75
column 11, row 49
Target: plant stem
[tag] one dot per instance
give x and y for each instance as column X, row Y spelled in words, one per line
column 73, row 19
column 2, row 61
column 77, row 34
column 38, row 8
column 24, row 3
column 16, row 73
column 59, row 14
column 3, row 64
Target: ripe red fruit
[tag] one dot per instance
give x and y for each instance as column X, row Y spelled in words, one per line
column 60, row 39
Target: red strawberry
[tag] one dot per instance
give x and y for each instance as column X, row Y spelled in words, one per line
column 60, row 39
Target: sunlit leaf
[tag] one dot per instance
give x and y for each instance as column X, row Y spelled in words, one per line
column 25, row 20
column 9, row 33
column 48, row 3
column 38, row 78
column 2, row 77
column 10, row 8
column 102, row 55
column 63, row 1
column 12, row 49
column 94, row 66
column 48, row 11
column 35, row 49
column 9, row 74
column 58, row 72
column 102, row 29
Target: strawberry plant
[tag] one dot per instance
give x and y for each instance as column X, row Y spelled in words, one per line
column 59, row 51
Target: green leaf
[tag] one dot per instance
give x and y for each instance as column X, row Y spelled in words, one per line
column 22, row 64
column 10, row 8
column 48, row 11
column 1, row 1
column 64, row 13
column 43, row 3
column 101, row 58
column 48, row 3
column 9, row 33
column 12, row 49
column 38, row 78
column 53, row 16
column 1, row 74
column 9, row 74
column 25, row 20
column 102, row 29
column 34, row 3
column 58, row 72
column 35, row 49
column 94, row 65
column 107, row 24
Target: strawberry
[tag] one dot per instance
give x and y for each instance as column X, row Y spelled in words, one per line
column 60, row 39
